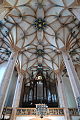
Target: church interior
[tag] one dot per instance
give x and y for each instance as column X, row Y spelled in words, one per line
column 39, row 59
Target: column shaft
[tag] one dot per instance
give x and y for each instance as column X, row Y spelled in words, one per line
column 18, row 89
column 60, row 95
column 6, row 80
column 74, row 80
column 17, row 95
column 63, row 97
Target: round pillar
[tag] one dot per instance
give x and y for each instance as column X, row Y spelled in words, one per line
column 7, row 79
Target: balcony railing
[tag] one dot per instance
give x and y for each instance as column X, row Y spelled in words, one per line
column 32, row 111
column 56, row 111
column 7, row 111
column 74, row 111
column 26, row 111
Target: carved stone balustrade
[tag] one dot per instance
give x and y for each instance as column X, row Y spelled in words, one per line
column 26, row 111
column 6, row 114
column 55, row 111
column 32, row 111
column 73, row 112
column 7, row 111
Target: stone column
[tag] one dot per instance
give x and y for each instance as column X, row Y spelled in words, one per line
column 60, row 93
column 17, row 94
column 6, row 79
column 74, row 80
column 62, row 96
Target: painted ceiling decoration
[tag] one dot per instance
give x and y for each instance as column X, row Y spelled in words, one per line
column 38, row 29
column 39, row 24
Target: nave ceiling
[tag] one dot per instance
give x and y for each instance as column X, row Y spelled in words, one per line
column 39, row 30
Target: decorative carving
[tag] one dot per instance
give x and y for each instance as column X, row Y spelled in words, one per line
column 31, row 111
column 40, row 52
column 55, row 111
column 39, row 24
column 73, row 111
column 7, row 111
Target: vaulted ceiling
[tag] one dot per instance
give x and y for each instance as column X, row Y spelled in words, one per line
column 39, row 29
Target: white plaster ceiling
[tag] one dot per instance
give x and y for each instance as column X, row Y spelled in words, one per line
column 62, row 30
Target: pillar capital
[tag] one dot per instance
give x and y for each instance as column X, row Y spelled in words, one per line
column 14, row 48
column 65, row 49
column 20, row 70
column 59, row 71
